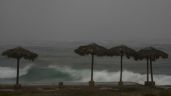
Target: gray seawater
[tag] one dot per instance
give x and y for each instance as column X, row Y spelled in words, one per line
column 57, row 62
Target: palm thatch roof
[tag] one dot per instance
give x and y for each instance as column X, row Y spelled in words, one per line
column 152, row 53
column 91, row 49
column 19, row 53
column 122, row 50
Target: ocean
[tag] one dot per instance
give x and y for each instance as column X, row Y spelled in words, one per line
column 57, row 62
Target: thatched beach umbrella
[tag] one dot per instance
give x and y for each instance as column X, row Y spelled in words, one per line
column 93, row 50
column 151, row 54
column 19, row 53
column 122, row 51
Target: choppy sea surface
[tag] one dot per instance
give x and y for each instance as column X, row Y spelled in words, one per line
column 57, row 62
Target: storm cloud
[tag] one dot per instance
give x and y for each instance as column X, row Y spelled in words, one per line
column 116, row 20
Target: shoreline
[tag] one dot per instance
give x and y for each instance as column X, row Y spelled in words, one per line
column 84, row 90
column 84, row 84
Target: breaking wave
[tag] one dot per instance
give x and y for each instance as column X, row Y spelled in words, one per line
column 54, row 72
column 9, row 72
column 83, row 75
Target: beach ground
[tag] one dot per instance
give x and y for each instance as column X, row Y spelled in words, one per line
column 134, row 90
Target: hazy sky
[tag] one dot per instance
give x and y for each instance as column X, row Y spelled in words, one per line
column 55, row 20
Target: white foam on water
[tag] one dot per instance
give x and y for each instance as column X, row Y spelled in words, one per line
column 9, row 72
column 83, row 75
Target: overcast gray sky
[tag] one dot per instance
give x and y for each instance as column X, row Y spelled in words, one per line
column 54, row 20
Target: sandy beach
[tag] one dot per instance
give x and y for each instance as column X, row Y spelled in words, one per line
column 82, row 89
